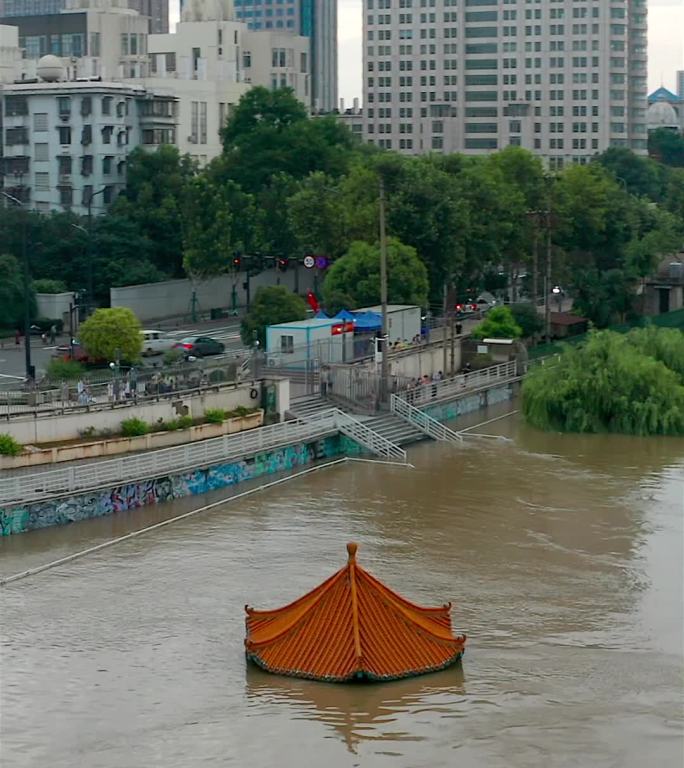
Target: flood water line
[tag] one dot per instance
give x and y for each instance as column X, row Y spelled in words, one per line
column 462, row 432
column 76, row 555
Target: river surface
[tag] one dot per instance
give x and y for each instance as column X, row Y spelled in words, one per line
column 563, row 556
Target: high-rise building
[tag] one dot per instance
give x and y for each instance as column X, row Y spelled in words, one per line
column 563, row 78
column 315, row 19
column 157, row 11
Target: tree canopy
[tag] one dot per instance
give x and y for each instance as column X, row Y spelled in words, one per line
column 357, row 274
column 271, row 305
column 12, row 294
column 630, row 383
column 112, row 334
column 498, row 323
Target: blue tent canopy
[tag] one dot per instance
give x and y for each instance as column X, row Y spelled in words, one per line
column 345, row 314
column 367, row 321
column 320, row 315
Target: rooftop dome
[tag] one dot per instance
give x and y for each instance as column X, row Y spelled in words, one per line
column 660, row 114
column 50, row 69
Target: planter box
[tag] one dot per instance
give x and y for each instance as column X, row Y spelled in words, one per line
column 121, row 445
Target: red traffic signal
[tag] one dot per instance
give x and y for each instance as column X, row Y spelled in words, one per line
column 237, row 260
column 283, row 263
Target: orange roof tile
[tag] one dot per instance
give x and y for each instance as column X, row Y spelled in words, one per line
column 352, row 626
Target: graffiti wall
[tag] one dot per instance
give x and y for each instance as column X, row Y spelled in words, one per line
column 470, row 403
column 70, row 509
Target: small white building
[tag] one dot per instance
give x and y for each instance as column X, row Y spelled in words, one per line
column 300, row 343
column 403, row 321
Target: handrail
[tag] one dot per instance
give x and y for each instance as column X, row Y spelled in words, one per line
column 414, row 416
column 357, row 431
column 369, row 438
column 122, row 471
column 450, row 388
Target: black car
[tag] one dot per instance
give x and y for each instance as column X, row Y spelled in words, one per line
column 198, row 346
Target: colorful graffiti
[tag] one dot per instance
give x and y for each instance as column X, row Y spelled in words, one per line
column 71, row 509
column 470, row 403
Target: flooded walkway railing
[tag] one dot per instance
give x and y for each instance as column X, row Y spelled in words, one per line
column 111, row 472
column 448, row 389
column 425, row 423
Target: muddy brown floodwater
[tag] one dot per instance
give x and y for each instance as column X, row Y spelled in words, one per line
column 562, row 554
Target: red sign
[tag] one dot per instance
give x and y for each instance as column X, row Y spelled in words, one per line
column 347, row 327
column 312, row 301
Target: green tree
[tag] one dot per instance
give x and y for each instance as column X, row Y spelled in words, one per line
column 527, row 317
column 640, row 175
column 270, row 133
column 357, row 274
column 612, row 383
column 498, row 323
column 318, row 217
column 112, row 334
column 46, row 285
column 271, row 305
column 12, row 294
column 666, row 146
column 156, row 188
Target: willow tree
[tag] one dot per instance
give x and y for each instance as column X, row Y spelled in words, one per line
column 613, row 383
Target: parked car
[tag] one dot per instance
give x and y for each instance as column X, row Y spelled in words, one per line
column 76, row 352
column 156, row 342
column 199, row 346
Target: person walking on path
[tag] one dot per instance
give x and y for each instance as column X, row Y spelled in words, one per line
column 53, row 334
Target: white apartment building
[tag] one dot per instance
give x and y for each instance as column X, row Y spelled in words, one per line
column 209, row 64
column 563, row 78
column 64, row 144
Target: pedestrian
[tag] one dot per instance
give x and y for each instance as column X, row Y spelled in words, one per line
column 17, row 337
column 43, row 338
column 53, row 333
column 324, row 381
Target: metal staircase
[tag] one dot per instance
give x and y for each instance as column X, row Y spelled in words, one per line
column 422, row 421
column 394, row 429
column 307, row 405
column 363, row 433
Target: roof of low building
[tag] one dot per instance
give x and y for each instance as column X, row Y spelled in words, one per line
column 352, row 627
column 566, row 318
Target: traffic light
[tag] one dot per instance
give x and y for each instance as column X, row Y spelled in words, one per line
column 283, row 263
column 237, row 260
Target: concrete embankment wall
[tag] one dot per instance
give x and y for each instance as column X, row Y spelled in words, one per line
column 171, row 298
column 20, row 518
column 48, row 429
column 449, row 411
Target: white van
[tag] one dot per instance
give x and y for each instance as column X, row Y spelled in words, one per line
column 156, row 342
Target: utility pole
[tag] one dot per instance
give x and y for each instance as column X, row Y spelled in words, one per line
column 452, row 332
column 547, row 277
column 444, row 326
column 384, row 370
column 535, row 269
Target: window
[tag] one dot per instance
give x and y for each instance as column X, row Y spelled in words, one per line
column 107, row 164
column 86, row 106
column 86, row 135
column 64, row 105
column 86, row 165
column 287, row 344
column 64, row 165
column 42, row 181
column 41, row 153
column 64, row 134
column 107, row 134
column 107, row 105
column 66, row 196
column 40, row 121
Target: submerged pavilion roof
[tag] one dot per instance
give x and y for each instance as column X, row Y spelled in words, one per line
column 352, row 627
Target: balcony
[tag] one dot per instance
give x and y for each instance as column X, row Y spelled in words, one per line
column 16, row 136
column 13, row 166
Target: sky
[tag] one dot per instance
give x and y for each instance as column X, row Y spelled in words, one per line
column 665, row 44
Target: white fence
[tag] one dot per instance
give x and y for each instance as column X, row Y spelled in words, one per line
column 447, row 389
column 31, row 487
column 429, row 426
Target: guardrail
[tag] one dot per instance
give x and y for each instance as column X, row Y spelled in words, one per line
column 112, row 472
column 414, row 416
column 446, row 389
column 369, row 438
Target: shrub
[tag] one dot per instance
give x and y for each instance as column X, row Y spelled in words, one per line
column 527, row 317
column 172, row 356
column 214, row 415
column 184, row 422
column 45, row 285
column 87, row 432
column 499, row 323
column 9, row 446
column 64, row 370
column 240, row 412
column 134, row 427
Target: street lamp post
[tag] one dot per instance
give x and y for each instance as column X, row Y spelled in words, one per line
column 384, row 369
column 30, row 370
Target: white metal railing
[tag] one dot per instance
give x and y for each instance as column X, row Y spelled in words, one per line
column 112, row 472
column 447, row 389
column 369, row 438
column 429, row 426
